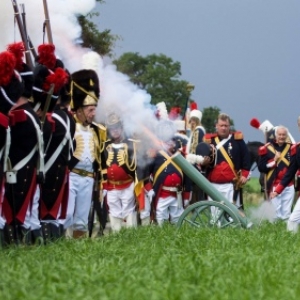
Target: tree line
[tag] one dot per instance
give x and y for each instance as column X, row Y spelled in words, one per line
column 157, row 74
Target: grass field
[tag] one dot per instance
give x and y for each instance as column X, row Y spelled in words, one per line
column 158, row 263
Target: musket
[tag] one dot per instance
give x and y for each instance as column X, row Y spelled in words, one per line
column 96, row 207
column 47, row 104
column 22, row 33
column 28, row 40
column 47, row 22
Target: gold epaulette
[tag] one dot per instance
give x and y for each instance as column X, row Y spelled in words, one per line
column 238, row 135
column 101, row 131
column 100, row 126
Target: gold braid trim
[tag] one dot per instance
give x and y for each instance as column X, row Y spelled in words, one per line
column 96, row 147
column 194, row 143
column 110, row 156
column 89, row 94
column 132, row 165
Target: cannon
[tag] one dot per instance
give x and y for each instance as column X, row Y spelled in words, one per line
column 219, row 212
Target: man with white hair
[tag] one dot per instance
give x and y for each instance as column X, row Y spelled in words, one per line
column 274, row 161
column 294, row 168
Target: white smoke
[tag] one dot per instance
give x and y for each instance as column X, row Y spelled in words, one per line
column 264, row 212
column 117, row 93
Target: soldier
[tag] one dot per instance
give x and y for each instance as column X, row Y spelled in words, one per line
column 4, row 134
column 21, row 163
column 274, row 161
column 180, row 137
column 171, row 187
column 58, row 134
column 231, row 166
column 196, row 137
column 85, row 162
column 119, row 164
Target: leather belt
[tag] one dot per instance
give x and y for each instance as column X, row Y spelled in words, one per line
column 120, row 182
column 83, row 173
column 170, row 188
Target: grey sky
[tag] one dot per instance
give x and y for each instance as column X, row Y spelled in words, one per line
column 242, row 55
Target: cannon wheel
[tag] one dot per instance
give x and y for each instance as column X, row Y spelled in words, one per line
column 208, row 214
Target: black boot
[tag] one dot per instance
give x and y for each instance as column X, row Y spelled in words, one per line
column 46, row 232
column 62, row 231
column 54, row 232
column 2, row 242
column 37, row 237
column 11, row 235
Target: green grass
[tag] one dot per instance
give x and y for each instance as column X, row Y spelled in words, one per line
column 253, row 185
column 158, row 263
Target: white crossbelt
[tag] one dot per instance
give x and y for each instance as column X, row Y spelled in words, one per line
column 12, row 171
column 219, row 145
column 7, row 147
column 66, row 138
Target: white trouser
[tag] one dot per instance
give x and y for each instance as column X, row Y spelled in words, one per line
column 145, row 213
column 295, row 215
column 121, row 203
column 79, row 203
column 226, row 189
column 32, row 220
column 283, row 203
column 168, row 207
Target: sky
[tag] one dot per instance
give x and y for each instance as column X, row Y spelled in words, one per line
column 241, row 55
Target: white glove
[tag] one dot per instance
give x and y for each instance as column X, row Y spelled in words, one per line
column 194, row 159
column 186, row 203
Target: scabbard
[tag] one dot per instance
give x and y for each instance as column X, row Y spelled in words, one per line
column 179, row 198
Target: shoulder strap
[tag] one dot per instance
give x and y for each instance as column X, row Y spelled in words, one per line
column 225, row 154
column 66, row 138
column 164, row 165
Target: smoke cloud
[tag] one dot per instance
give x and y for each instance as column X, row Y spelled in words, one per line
column 264, row 212
column 117, row 93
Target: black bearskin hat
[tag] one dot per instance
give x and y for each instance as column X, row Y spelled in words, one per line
column 43, row 78
column 11, row 85
column 18, row 50
column 85, row 89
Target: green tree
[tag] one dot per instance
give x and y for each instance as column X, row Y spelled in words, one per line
column 100, row 42
column 209, row 118
column 159, row 75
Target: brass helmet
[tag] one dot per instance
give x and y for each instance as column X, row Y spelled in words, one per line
column 113, row 121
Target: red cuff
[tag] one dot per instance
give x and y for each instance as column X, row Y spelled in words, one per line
column 148, row 186
column 279, row 188
column 245, row 173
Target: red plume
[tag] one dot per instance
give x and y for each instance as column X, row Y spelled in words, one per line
column 17, row 49
column 193, row 106
column 47, row 56
column 255, row 123
column 59, row 78
column 174, row 112
column 7, row 66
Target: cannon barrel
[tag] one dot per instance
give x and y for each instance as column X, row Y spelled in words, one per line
column 207, row 187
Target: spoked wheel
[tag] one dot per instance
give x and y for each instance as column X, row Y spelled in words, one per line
column 208, row 214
